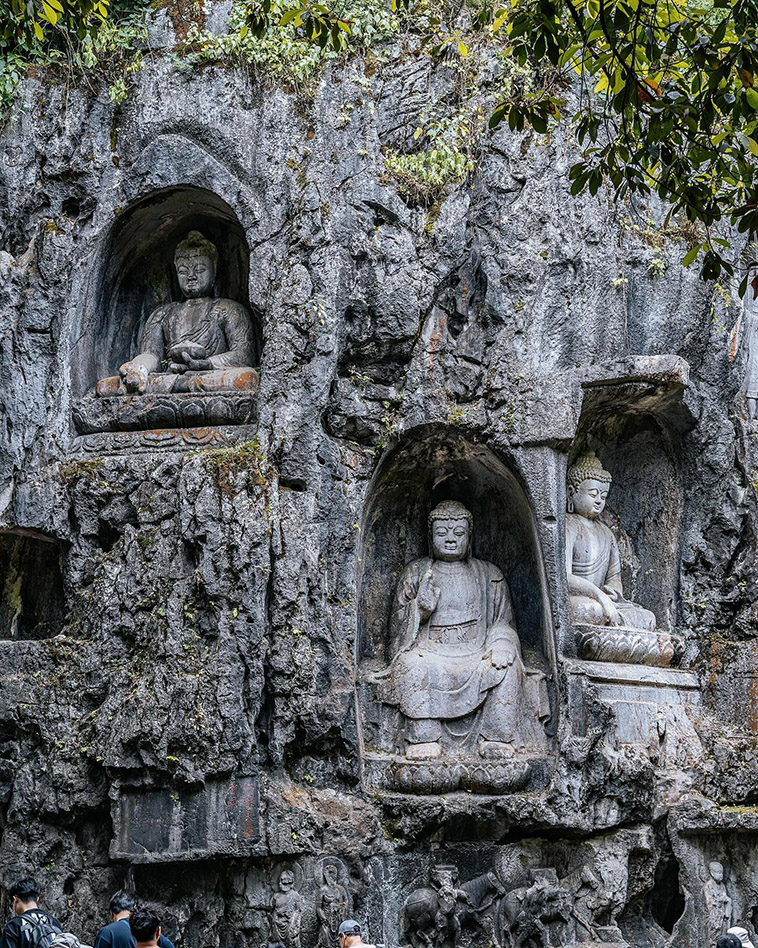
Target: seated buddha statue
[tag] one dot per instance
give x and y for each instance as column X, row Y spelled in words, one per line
column 456, row 674
column 593, row 563
column 200, row 344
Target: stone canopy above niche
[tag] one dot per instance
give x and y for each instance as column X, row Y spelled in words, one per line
column 168, row 337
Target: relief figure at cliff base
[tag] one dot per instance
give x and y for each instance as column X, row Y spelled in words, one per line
column 200, row 344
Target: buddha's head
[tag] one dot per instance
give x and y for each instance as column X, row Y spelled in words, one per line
column 195, row 260
column 716, row 870
column 330, row 874
column 587, row 486
column 450, row 531
column 286, row 881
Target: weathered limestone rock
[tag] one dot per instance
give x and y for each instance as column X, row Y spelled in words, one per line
column 197, row 587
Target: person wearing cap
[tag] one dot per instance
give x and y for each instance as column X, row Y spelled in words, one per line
column 742, row 934
column 350, row 935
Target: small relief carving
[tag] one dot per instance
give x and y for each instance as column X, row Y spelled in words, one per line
column 456, row 674
column 717, row 901
column 514, row 906
column 609, row 627
column 333, row 903
column 432, row 914
column 286, row 911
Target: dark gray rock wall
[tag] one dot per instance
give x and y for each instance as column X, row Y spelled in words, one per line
column 219, row 596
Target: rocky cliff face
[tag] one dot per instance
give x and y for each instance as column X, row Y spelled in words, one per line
column 189, row 610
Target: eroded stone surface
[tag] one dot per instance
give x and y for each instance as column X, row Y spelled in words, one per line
column 223, row 598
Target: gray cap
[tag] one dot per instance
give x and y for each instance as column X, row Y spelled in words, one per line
column 349, row 927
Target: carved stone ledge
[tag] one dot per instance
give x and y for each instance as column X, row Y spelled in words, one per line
column 454, row 774
column 161, row 439
column 157, row 411
column 599, row 643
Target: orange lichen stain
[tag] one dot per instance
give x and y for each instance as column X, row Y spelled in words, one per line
column 246, row 381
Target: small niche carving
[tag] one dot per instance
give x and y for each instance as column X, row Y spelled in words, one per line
column 201, row 343
column 168, row 337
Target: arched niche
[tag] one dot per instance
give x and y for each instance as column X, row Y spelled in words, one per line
column 429, row 466
column 638, row 440
column 133, row 273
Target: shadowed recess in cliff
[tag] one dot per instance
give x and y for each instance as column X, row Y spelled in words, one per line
column 132, row 273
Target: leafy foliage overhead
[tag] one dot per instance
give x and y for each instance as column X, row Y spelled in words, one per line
column 662, row 94
column 22, row 21
column 668, row 93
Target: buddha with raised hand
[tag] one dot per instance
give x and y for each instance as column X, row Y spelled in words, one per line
column 457, row 674
column 200, row 344
column 592, row 554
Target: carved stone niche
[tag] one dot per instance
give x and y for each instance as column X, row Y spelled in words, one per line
column 32, row 599
column 635, row 429
column 455, row 652
column 220, row 818
column 717, row 850
column 134, row 302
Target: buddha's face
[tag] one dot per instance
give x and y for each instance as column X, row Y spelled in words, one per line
column 588, row 499
column 330, row 874
column 717, row 871
column 196, row 273
column 286, row 881
column 450, row 540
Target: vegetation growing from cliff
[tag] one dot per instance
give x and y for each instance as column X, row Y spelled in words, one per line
column 667, row 95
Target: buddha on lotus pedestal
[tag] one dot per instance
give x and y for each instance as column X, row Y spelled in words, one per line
column 610, row 627
column 200, row 344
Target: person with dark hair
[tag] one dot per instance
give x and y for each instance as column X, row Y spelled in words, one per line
column 30, row 927
column 728, row 941
column 118, row 934
column 145, row 925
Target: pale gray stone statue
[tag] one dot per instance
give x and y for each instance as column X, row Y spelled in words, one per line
column 287, row 911
column 717, row 901
column 201, row 344
column 456, row 673
column 592, row 554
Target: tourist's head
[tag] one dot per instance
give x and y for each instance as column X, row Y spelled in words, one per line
column 450, row 531
column 349, row 933
column 728, row 941
column 23, row 894
column 145, row 924
column 122, row 901
column 195, row 260
column 742, row 935
column 716, row 870
column 587, row 486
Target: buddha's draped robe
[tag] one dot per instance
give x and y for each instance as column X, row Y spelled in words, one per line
column 592, row 551
column 442, row 668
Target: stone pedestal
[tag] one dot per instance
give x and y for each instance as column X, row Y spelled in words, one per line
column 647, row 702
column 153, row 412
column 603, row 643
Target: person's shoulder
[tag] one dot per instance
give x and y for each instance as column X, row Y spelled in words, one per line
column 109, row 932
column 164, row 942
